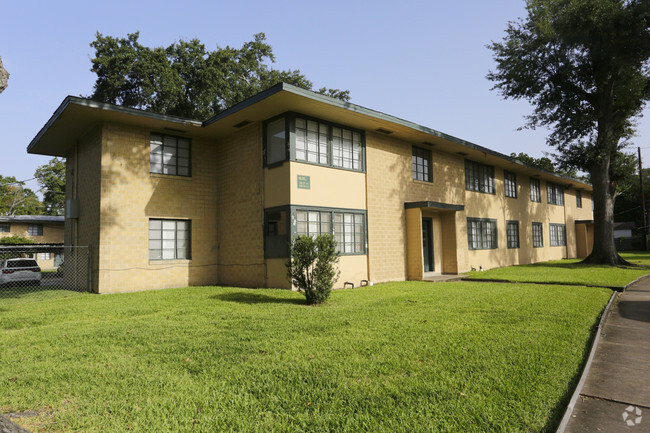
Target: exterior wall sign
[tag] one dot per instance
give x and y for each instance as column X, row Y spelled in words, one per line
column 303, row 182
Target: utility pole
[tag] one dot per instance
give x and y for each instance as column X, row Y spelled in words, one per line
column 645, row 222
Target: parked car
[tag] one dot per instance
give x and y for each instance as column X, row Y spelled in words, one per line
column 19, row 270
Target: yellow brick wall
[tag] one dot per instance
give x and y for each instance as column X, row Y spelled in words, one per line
column 240, row 202
column 52, row 232
column 389, row 184
column 131, row 195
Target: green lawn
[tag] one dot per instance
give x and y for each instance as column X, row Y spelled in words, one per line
column 399, row 357
column 572, row 272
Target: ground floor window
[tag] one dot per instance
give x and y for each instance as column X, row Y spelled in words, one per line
column 481, row 233
column 169, row 239
column 538, row 235
column 348, row 228
column 46, row 256
column 557, row 235
column 512, row 233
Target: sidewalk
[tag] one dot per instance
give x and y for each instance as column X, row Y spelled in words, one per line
column 616, row 395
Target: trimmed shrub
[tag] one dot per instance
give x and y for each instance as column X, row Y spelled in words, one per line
column 312, row 266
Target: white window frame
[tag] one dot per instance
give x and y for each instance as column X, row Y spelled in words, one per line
column 170, row 239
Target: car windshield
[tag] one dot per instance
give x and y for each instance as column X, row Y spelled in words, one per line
column 21, row 263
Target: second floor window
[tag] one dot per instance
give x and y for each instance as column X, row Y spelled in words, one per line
column 535, row 193
column 421, row 164
column 4, row 227
column 313, row 141
column 510, row 184
column 169, row 155
column 579, row 199
column 555, row 194
column 479, row 177
column 35, row 229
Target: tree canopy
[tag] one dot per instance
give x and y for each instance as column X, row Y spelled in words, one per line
column 51, row 179
column 584, row 65
column 185, row 79
column 15, row 199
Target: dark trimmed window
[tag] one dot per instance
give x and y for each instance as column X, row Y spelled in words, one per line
column 169, row 239
column 4, row 228
column 421, row 163
column 481, row 233
column 479, row 177
column 555, row 194
column 510, row 184
column 579, row 199
column 348, row 228
column 313, row 141
column 535, row 192
column 557, row 235
column 512, row 233
column 538, row 235
column 169, row 155
column 35, row 229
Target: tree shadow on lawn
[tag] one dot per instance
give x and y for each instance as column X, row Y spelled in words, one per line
column 257, row 298
column 580, row 265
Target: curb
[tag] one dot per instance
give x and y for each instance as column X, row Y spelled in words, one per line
column 583, row 377
column 642, row 277
column 7, row 426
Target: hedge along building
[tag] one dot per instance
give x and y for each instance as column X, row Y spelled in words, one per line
column 165, row 202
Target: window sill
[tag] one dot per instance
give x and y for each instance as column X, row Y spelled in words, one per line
column 423, row 182
column 170, row 176
column 165, row 262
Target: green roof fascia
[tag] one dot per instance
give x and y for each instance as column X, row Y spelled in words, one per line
column 377, row 115
column 70, row 100
column 434, row 205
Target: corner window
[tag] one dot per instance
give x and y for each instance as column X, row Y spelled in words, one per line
column 557, row 235
column 578, row 199
column 510, row 184
column 538, row 235
column 512, row 233
column 555, row 194
column 169, row 239
column 479, row 177
column 313, row 141
column 35, row 229
column 348, row 228
column 481, row 233
column 421, row 163
column 276, row 141
column 535, row 193
column 169, row 155
column 4, row 228
column 276, row 236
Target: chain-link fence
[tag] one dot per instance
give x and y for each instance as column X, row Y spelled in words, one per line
column 35, row 270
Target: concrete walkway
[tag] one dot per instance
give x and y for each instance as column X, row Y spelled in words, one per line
column 616, row 394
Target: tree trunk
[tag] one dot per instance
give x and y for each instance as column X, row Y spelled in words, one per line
column 604, row 194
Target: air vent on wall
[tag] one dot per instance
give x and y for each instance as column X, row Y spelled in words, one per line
column 242, row 124
column 384, row 131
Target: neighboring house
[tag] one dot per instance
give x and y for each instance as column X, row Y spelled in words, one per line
column 42, row 229
column 623, row 229
column 165, row 202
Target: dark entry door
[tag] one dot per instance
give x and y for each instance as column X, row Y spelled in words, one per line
column 427, row 244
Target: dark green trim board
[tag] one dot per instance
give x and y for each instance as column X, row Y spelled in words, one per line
column 433, row 205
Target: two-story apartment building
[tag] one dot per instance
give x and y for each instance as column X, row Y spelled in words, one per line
column 40, row 229
column 165, row 202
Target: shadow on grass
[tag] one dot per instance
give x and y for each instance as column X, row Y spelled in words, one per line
column 256, row 298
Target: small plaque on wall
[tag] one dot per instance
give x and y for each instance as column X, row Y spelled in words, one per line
column 303, row 182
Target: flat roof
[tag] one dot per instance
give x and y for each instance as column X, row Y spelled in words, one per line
column 76, row 117
column 32, row 219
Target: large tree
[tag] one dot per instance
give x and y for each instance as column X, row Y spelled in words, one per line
column 15, row 199
column 185, row 79
column 584, row 65
column 51, row 179
column 4, row 77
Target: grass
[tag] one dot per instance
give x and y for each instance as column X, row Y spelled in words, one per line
column 399, row 357
column 572, row 272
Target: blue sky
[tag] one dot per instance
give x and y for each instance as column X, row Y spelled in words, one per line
column 424, row 61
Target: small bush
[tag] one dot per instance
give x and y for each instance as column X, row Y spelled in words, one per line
column 312, row 266
column 15, row 240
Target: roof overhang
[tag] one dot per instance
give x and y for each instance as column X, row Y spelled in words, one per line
column 584, row 221
column 75, row 117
